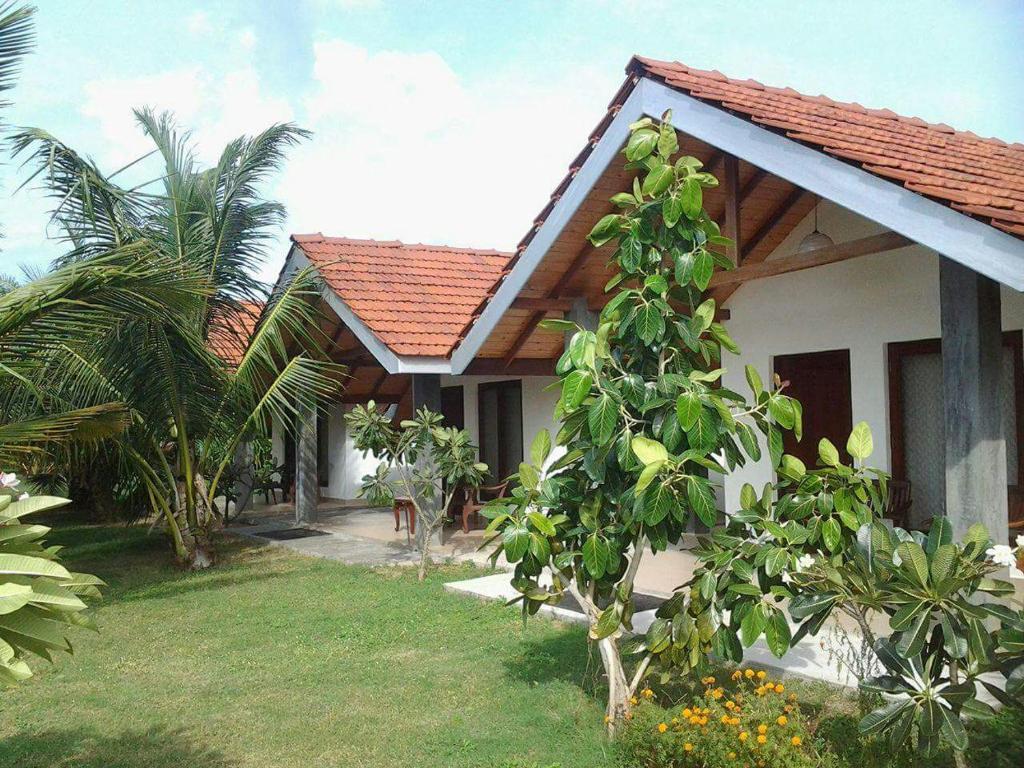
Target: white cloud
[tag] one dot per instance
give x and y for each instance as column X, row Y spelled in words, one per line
column 405, row 148
column 198, row 23
column 215, row 108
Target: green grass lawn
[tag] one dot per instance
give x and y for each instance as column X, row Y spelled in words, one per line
column 271, row 659
column 277, row 660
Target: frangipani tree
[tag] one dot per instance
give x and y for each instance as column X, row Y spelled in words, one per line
column 645, row 423
column 422, row 461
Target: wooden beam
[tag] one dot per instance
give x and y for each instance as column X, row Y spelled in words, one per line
column 360, row 399
column 542, row 305
column 556, row 291
column 772, row 221
column 375, row 387
column 523, row 366
column 886, row 241
column 733, row 197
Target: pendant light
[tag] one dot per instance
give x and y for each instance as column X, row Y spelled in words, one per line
column 816, row 239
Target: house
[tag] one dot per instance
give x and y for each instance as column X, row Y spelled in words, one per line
column 880, row 272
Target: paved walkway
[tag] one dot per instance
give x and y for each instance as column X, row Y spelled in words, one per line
column 343, row 547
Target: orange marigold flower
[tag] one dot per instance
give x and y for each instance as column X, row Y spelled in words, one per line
column 759, row 690
column 795, row 741
column 762, row 728
column 726, row 719
column 732, row 755
column 782, row 720
column 735, row 721
column 762, row 739
column 779, row 687
column 662, row 727
column 743, row 735
column 629, row 715
column 761, row 675
column 717, row 693
column 647, row 693
column 737, row 675
column 787, row 708
column 749, row 673
column 694, row 720
column 730, row 704
column 792, row 697
column 633, row 700
column 687, row 712
column 688, row 747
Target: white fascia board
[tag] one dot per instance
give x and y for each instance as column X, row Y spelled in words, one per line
column 391, row 362
column 561, row 214
column 974, row 244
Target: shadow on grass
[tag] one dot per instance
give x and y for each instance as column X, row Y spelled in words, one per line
column 157, row 747
column 567, row 657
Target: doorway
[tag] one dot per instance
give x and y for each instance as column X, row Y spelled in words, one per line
column 500, row 408
column 821, row 382
column 917, row 426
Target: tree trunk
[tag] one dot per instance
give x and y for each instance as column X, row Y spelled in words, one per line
column 618, row 686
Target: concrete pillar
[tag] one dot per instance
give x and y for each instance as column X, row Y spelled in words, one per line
column 246, row 477
column 426, row 391
column 972, row 351
column 582, row 316
column 307, row 485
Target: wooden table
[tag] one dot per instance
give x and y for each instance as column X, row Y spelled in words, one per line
column 406, row 505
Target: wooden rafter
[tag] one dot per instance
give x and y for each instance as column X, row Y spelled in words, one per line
column 543, row 305
column 772, row 221
column 886, row 241
column 732, row 209
column 556, row 290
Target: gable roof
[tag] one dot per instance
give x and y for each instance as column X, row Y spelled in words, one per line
column 230, row 332
column 983, row 178
column 952, row 191
column 414, row 298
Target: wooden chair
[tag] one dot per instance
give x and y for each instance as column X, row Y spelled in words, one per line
column 474, row 504
column 897, row 508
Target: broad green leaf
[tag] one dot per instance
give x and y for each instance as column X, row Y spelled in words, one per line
column 828, row 454
column 13, row 597
column 26, row 565
column 641, row 143
column 776, row 561
column 648, row 451
column 658, row 180
column 516, row 540
column 752, row 625
column 831, row 534
column 703, row 269
column 602, row 417
column 880, row 719
column 914, row 562
column 647, row 476
column 575, row 388
column 702, row 500
column 688, row 407
column 658, row 501
column 777, row 634
column 754, row 380
column 528, row 476
column 595, row 555
column 608, row 227
column 541, row 523
column 650, row 323
column 540, row 449
column 860, row 445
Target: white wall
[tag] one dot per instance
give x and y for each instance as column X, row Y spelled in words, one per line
column 860, row 304
column 538, row 405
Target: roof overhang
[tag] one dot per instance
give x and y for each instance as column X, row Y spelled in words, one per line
column 389, row 360
column 974, row 244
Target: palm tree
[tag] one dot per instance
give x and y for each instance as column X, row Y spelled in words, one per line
column 206, row 229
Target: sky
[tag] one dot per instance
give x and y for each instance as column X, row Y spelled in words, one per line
column 451, row 122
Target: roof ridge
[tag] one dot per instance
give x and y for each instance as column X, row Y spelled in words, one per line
column 647, row 64
column 340, row 240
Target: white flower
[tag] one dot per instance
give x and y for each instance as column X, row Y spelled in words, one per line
column 8, row 480
column 786, row 578
column 23, row 497
column 1001, row 554
column 805, row 561
column 1020, row 542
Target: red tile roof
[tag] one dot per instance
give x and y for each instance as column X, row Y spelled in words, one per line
column 229, row 336
column 983, row 178
column 415, row 298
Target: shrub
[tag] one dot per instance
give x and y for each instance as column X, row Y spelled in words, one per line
column 748, row 720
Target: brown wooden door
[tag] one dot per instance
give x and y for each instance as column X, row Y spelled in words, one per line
column 821, row 382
